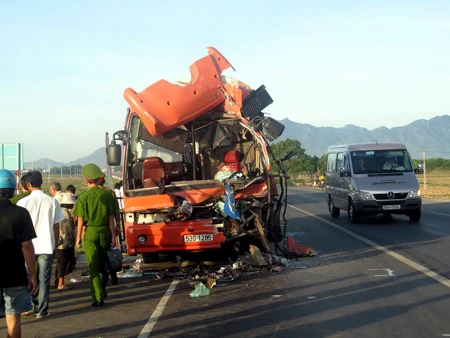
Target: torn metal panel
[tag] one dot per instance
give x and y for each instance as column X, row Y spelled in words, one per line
column 164, row 106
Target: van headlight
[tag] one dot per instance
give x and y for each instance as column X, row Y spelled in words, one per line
column 364, row 196
column 414, row 193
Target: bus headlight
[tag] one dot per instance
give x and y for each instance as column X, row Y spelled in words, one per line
column 414, row 193
column 142, row 239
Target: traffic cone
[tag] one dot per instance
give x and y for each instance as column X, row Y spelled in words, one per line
column 299, row 250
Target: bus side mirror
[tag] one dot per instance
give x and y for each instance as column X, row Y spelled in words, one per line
column 114, row 154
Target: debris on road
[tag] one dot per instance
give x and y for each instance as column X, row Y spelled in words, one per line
column 200, row 291
column 257, row 255
column 299, row 250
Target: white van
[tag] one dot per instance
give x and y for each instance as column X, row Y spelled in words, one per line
column 370, row 179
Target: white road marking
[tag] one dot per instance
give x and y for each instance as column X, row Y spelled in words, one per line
column 435, row 212
column 389, row 271
column 158, row 311
column 403, row 259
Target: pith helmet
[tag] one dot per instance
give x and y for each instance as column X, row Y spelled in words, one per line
column 7, row 179
column 91, row 171
column 67, row 198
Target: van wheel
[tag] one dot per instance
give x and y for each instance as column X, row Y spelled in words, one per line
column 414, row 216
column 353, row 215
column 334, row 212
column 387, row 215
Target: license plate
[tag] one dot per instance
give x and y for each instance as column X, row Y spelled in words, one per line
column 198, row 238
column 391, row 207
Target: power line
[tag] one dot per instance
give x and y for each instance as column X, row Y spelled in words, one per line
column 429, row 151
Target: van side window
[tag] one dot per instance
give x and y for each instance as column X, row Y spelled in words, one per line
column 340, row 161
column 331, row 162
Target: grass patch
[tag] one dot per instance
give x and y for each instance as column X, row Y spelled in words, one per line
column 65, row 180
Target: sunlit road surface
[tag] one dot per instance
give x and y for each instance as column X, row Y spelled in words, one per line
column 380, row 278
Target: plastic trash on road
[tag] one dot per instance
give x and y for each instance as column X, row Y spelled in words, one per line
column 129, row 273
column 200, row 291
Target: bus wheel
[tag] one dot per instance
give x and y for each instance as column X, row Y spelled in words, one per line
column 353, row 214
column 334, row 212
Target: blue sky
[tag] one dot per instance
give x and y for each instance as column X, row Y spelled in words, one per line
column 65, row 64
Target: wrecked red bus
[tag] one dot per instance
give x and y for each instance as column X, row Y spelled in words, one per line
column 195, row 163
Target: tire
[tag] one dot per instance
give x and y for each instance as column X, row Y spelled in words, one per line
column 387, row 215
column 334, row 212
column 414, row 216
column 150, row 258
column 353, row 215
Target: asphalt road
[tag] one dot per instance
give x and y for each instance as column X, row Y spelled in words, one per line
column 380, row 278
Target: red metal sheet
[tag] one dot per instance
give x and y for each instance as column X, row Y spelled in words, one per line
column 164, row 106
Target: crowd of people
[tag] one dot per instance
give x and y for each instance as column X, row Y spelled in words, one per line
column 36, row 228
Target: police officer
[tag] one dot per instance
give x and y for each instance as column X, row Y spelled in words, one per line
column 95, row 209
column 101, row 185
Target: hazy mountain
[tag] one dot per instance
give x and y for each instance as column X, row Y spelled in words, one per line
column 431, row 136
column 43, row 163
column 98, row 157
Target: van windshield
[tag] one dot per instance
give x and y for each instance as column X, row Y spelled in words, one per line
column 380, row 161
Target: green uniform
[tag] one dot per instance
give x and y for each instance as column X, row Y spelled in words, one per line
column 95, row 206
column 113, row 194
column 18, row 197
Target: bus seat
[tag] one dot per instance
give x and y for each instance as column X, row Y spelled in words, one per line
column 153, row 169
column 231, row 163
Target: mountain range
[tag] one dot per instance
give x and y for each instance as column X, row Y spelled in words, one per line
column 98, row 157
column 429, row 136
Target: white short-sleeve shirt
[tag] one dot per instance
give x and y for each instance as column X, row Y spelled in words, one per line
column 45, row 212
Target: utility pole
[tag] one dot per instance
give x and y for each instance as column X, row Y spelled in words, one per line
column 424, row 172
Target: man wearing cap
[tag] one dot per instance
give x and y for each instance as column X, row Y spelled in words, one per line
column 101, row 185
column 65, row 253
column 95, row 210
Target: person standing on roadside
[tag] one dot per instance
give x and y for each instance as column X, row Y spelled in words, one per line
column 119, row 194
column 65, row 253
column 55, row 191
column 95, row 209
column 16, row 248
column 46, row 214
column 23, row 194
column 101, row 185
column 71, row 188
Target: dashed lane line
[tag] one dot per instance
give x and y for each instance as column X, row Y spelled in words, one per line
column 435, row 212
column 403, row 259
column 158, row 311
